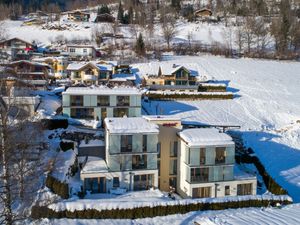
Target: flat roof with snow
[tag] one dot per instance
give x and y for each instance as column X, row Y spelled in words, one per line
column 132, row 125
column 161, row 118
column 94, row 165
column 102, row 90
column 198, row 137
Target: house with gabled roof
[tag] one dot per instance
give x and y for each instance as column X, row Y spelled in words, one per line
column 89, row 73
column 172, row 74
column 37, row 74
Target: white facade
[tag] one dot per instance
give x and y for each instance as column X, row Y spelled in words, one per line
column 87, row 51
column 130, row 158
column 100, row 102
column 207, row 166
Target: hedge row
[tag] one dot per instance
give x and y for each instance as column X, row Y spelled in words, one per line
column 38, row 212
column 57, row 187
column 52, row 124
column 183, row 96
column 65, row 146
column 270, row 183
column 212, row 88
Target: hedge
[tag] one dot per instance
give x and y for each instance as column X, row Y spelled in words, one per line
column 52, row 124
column 57, row 187
column 270, row 183
column 183, row 96
column 212, row 88
column 65, row 146
column 38, row 212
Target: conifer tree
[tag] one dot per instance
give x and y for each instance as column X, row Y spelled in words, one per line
column 140, row 45
column 120, row 12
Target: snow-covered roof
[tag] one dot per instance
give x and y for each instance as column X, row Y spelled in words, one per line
column 123, row 77
column 166, row 68
column 76, row 66
column 205, row 137
column 94, row 165
column 161, row 118
column 102, row 90
column 29, row 62
column 80, row 46
column 107, row 67
column 80, row 65
column 92, row 143
column 132, row 125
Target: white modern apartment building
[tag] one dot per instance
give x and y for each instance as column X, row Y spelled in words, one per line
column 207, row 166
column 82, row 51
column 99, row 102
column 130, row 162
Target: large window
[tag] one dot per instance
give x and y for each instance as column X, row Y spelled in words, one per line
column 102, row 100
column 244, row 189
column 158, row 150
column 122, row 100
column 76, row 100
column 116, row 182
column 126, row 143
column 220, row 155
column 143, row 182
column 203, row 192
column 181, row 82
column 139, row 162
column 144, row 143
column 72, row 50
column 82, row 113
column 174, row 149
column 120, row 112
column 158, row 167
column 173, row 167
column 103, row 75
column 181, row 74
column 89, row 71
column 199, row 174
column 202, row 156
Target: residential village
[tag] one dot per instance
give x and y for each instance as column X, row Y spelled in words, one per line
column 138, row 138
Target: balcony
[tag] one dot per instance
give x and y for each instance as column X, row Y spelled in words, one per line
column 89, row 77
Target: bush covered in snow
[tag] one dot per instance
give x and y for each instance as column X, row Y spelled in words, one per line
column 157, row 209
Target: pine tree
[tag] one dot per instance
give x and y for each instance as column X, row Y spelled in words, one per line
column 140, row 45
column 130, row 15
column 120, row 12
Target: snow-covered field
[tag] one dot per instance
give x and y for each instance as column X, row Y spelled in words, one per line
column 268, row 216
column 266, row 106
column 204, row 32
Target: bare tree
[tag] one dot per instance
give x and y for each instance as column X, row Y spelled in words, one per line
column 3, row 33
column 295, row 34
column 190, row 38
column 169, row 32
column 228, row 37
column 261, row 32
column 20, row 160
column 97, row 33
column 248, row 34
column 239, row 41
